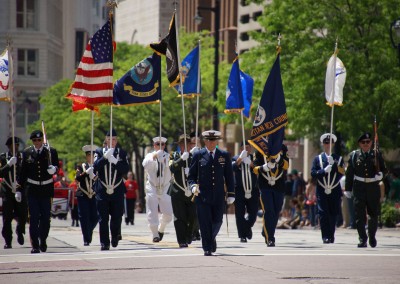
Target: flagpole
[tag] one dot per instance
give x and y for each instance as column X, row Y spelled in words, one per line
column 197, row 99
column 333, row 97
column 10, row 95
column 91, row 151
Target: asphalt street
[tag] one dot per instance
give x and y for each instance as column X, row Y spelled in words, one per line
column 299, row 257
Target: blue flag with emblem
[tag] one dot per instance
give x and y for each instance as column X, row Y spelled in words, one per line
column 234, row 94
column 247, row 89
column 191, row 74
column 271, row 117
column 141, row 84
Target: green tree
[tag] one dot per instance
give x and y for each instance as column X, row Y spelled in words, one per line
column 309, row 31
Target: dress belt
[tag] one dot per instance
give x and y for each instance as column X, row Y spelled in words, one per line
column 44, row 182
column 366, row 180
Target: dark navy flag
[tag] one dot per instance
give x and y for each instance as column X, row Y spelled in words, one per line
column 234, row 94
column 271, row 117
column 168, row 46
column 191, row 74
column 141, row 84
column 247, row 89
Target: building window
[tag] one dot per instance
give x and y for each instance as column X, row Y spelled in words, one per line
column 27, row 109
column 256, row 15
column 27, row 62
column 26, row 14
column 80, row 45
column 244, row 36
column 243, row 3
column 244, row 19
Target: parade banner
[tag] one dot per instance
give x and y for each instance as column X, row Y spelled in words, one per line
column 4, row 75
column 168, row 46
column 271, row 117
column 334, row 81
column 191, row 74
column 234, row 94
column 93, row 83
column 141, row 84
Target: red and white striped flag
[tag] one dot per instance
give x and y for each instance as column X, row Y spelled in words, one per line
column 93, row 83
column 5, row 63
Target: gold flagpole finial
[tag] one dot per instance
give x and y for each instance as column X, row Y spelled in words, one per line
column 278, row 47
column 8, row 40
column 111, row 4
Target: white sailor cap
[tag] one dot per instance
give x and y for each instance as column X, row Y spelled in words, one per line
column 89, row 148
column 211, row 135
column 326, row 137
column 157, row 139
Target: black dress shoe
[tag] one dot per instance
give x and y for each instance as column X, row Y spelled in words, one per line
column 86, row 244
column 332, row 240
column 156, row 240
column 362, row 244
column 7, row 246
column 214, row 246
column 35, row 250
column 270, row 243
column 326, row 241
column 43, row 247
column 207, row 253
column 114, row 242
column 183, row 245
column 105, row 247
column 21, row 239
column 243, row 240
column 372, row 242
column 161, row 235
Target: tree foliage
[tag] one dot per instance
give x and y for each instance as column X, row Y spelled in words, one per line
column 309, row 30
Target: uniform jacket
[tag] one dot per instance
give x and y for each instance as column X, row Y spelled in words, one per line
column 278, row 173
column 83, row 180
column 102, row 170
column 212, row 175
column 337, row 171
column 237, row 171
column 158, row 174
column 34, row 168
column 362, row 166
column 177, row 167
column 7, row 173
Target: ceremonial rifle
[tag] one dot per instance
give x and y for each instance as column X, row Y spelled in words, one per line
column 376, row 146
column 46, row 143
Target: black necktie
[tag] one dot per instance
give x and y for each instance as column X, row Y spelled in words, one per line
column 211, row 156
column 159, row 169
column 38, row 152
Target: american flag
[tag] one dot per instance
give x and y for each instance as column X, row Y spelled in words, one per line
column 93, row 83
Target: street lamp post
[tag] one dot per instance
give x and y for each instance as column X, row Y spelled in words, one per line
column 198, row 19
column 395, row 25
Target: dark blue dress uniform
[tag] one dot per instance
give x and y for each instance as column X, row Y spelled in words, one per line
column 328, row 192
column 272, row 188
column 87, row 209
column 245, row 200
column 12, row 208
column 39, row 187
column 361, row 180
column 183, row 207
column 211, row 175
column 110, row 204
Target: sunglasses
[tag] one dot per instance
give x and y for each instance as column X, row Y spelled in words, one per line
column 36, row 139
column 365, row 141
column 158, row 144
column 327, row 142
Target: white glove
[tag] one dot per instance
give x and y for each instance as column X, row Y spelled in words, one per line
column 51, row 170
column 113, row 160
column 18, row 196
column 348, row 194
column 160, row 154
column 265, row 168
column 12, row 161
column 194, row 150
column 243, row 154
column 278, row 159
column 247, row 161
column 186, row 171
column 328, row 168
column 90, row 172
column 330, row 160
column 230, row 200
column 379, row 176
column 271, row 165
column 109, row 153
column 188, row 193
column 195, row 189
column 185, row 156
